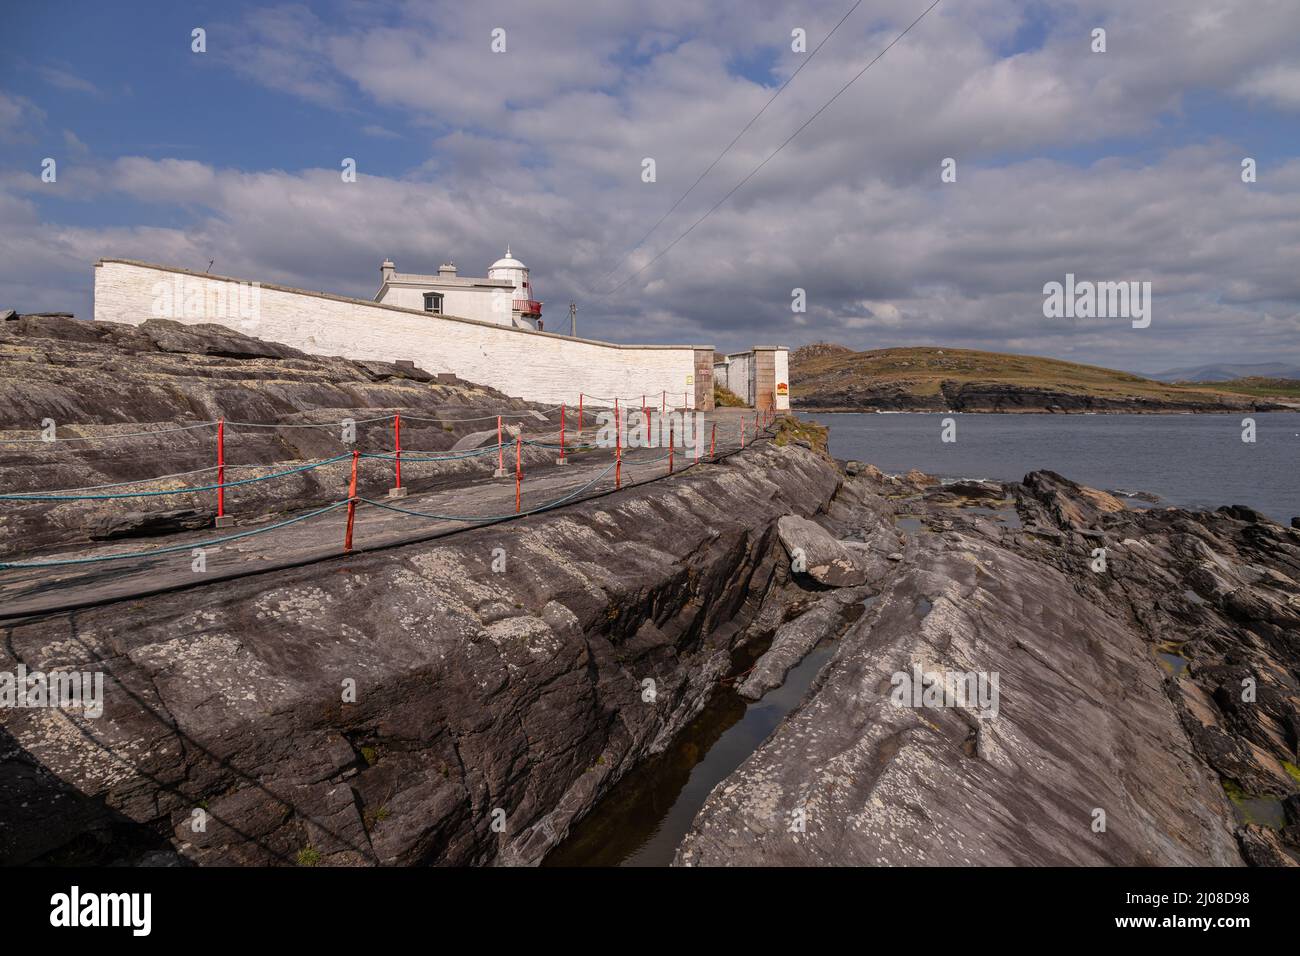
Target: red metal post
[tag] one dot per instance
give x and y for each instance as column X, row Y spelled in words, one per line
column 352, row 503
column 663, row 402
column 580, row 413
column 618, row 449
column 561, row 431
column 221, row 467
column 519, row 468
column 501, row 454
column 713, row 441
column 670, row 448
column 397, row 442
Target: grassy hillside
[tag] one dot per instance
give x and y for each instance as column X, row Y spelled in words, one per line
column 1284, row 389
column 925, row 378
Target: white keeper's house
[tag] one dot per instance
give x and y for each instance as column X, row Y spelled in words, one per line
column 505, row 297
column 485, row 330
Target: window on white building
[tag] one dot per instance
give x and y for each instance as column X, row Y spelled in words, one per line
column 433, row 302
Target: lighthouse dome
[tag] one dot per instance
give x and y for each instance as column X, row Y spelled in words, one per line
column 508, row 262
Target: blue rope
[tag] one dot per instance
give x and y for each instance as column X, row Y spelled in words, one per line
column 482, row 518
column 474, row 453
column 50, row 441
column 168, row 550
column 566, row 446
column 177, row 491
column 189, row 546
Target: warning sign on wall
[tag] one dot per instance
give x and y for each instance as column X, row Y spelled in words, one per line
column 690, row 379
column 782, row 388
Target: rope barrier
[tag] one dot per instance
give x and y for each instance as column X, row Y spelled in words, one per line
column 228, row 421
column 635, row 400
column 483, row 518
column 485, row 418
column 351, row 502
column 140, row 481
column 397, row 449
column 405, row 456
column 8, row 565
column 335, row 424
column 64, row 494
column 174, row 491
column 221, row 473
column 354, row 421
column 431, row 456
column 157, row 431
column 567, row 447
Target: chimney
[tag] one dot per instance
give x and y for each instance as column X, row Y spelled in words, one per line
column 447, row 269
column 386, row 271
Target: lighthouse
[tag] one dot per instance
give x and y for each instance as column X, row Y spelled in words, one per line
column 503, row 297
column 525, row 309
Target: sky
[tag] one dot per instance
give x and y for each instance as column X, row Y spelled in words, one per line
column 1123, row 165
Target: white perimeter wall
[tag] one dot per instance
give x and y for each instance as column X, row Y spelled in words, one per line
column 537, row 366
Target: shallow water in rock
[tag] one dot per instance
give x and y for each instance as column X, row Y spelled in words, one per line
column 1192, row 461
column 1265, row 811
column 1172, row 663
column 912, row 524
column 643, row 819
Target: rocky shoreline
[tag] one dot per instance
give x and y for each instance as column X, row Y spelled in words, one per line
column 425, row 705
column 1009, row 400
column 526, row 692
column 1092, row 716
column 523, row 691
column 102, row 379
column 926, row 379
column 1046, row 410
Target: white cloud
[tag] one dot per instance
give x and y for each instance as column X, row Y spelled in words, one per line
column 1279, row 85
column 541, row 147
column 65, row 79
column 18, row 117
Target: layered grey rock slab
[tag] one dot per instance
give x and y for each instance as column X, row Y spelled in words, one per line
column 99, row 379
column 1083, row 725
column 794, row 639
column 825, row 560
column 522, row 689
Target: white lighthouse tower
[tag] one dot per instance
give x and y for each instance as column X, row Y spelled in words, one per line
column 525, row 309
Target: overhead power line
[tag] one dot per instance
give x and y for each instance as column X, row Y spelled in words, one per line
column 640, row 242
column 734, row 189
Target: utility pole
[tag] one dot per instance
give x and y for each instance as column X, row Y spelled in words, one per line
column 573, row 319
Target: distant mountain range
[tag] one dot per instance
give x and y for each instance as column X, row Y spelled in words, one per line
column 1227, row 372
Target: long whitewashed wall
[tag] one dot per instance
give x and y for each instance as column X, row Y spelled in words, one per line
column 536, row 366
